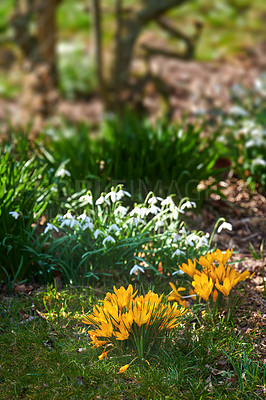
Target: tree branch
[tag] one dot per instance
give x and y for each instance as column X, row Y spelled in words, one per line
column 153, row 9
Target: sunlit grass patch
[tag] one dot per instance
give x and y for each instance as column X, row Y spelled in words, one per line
column 46, row 357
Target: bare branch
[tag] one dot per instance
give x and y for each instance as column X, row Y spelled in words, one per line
column 153, row 9
column 154, row 51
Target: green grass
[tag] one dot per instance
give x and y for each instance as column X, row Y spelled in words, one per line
column 41, row 358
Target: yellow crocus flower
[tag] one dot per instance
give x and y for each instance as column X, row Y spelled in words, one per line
column 123, row 369
column 203, row 285
column 123, row 332
column 103, row 355
column 174, row 295
column 190, row 268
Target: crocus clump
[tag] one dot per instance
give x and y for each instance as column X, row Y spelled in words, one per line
column 210, row 275
column 127, row 320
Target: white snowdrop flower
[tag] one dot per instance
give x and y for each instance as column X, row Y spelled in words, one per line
column 199, row 166
column 153, row 210
column 114, row 227
column 176, row 237
column 190, row 242
column 68, row 215
column 65, row 222
column 71, row 222
column 183, row 231
column 135, row 269
column 100, row 200
column 188, row 204
column 14, row 214
column 97, row 233
column 141, row 212
column 167, row 202
column 178, row 253
column 175, row 212
column 159, row 224
column 87, row 225
column 179, row 272
column 50, row 227
column 82, row 216
column 259, row 161
column 194, row 238
column 224, row 225
column 112, row 195
column 256, row 142
column 137, row 220
column 121, row 193
column 237, row 110
column 152, row 200
column 62, row 172
column 87, row 198
column 203, row 241
column 108, row 239
column 121, row 210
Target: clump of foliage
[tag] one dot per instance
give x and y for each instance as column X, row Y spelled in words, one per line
column 24, row 195
column 108, row 240
column 165, row 159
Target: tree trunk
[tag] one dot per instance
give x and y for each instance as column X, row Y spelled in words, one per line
column 39, row 91
column 97, row 44
column 128, row 29
column 46, row 35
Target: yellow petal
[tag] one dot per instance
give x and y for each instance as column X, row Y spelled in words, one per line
column 123, row 369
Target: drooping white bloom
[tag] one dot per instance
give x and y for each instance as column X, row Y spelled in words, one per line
column 68, row 215
column 71, row 222
column 203, row 241
column 113, row 227
column 62, row 172
column 112, row 195
column 121, row 210
column 108, row 239
column 135, row 269
column 224, row 225
column 179, row 272
column 84, row 217
column 168, row 201
column 14, row 214
column 158, row 224
column 121, row 193
column 87, row 198
column 140, row 211
column 188, row 204
column 183, row 231
column 152, row 200
column 153, row 210
column 96, row 233
column 100, row 200
column 237, row 110
column 87, row 225
column 178, row 253
column 259, row 161
column 176, row 237
column 175, row 211
column 50, row 227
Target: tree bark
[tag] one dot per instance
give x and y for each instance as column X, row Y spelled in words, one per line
column 97, row 44
column 127, row 32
